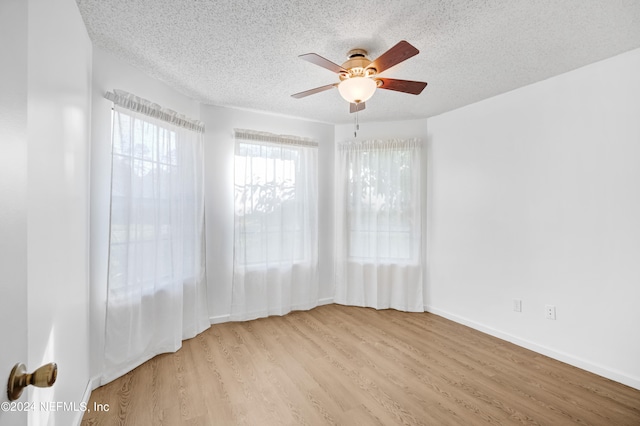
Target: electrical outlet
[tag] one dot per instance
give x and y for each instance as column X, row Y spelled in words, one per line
column 550, row 312
column 517, row 305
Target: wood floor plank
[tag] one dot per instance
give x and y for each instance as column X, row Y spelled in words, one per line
column 341, row 365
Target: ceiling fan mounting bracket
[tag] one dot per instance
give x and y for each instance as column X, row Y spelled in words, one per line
column 357, row 53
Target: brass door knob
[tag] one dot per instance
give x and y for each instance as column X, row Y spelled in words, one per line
column 43, row 377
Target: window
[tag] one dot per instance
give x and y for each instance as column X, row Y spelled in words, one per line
column 380, row 205
column 382, row 200
column 272, row 203
column 153, row 192
column 144, row 159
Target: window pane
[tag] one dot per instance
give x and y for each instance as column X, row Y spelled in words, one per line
column 379, row 204
column 144, row 160
column 268, row 206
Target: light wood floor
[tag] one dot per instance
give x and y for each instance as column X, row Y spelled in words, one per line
column 357, row 366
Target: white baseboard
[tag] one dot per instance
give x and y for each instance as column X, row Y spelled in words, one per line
column 94, row 383
column 91, row 385
column 600, row 370
column 219, row 319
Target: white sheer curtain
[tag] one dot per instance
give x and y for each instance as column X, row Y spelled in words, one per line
column 275, row 267
column 379, row 261
column 157, row 283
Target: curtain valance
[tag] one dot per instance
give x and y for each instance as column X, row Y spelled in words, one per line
column 378, row 144
column 252, row 135
column 143, row 106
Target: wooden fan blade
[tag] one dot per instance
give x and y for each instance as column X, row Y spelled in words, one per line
column 313, row 91
column 405, row 86
column 353, row 107
column 324, row 63
column 398, row 53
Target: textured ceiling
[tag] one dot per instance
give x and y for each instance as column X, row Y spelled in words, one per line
column 244, row 53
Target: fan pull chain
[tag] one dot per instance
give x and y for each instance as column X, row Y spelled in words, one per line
column 356, row 126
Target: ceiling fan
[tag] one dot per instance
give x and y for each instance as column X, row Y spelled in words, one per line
column 359, row 75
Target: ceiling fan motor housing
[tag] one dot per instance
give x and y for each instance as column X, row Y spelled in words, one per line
column 357, row 65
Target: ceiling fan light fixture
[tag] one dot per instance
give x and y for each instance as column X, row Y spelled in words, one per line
column 357, row 89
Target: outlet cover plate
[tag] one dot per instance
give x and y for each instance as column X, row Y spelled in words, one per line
column 550, row 312
column 517, row 305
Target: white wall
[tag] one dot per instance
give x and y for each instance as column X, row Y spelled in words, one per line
column 111, row 73
column 535, row 194
column 383, row 130
column 219, row 148
column 58, row 114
